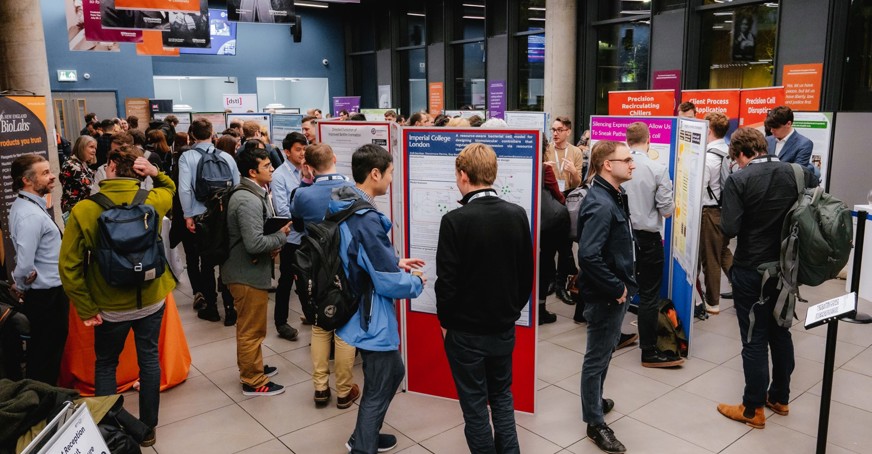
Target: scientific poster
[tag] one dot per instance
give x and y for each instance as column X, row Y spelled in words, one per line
column 284, row 124
column 688, row 184
column 530, row 120
column 184, row 120
column 615, row 128
column 216, row 118
column 818, row 127
column 262, row 119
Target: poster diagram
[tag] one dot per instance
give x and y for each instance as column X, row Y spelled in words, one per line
column 689, row 176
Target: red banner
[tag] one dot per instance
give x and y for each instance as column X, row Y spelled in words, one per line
column 642, row 103
column 802, row 86
column 756, row 103
column 152, row 44
column 437, row 98
column 726, row 102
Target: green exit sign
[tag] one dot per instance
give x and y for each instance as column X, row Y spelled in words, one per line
column 67, row 75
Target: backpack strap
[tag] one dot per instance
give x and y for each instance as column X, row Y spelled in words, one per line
column 708, row 186
column 103, row 201
column 799, row 175
column 140, row 197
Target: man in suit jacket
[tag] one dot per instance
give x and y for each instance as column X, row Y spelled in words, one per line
column 785, row 142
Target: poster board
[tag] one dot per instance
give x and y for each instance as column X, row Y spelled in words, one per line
column 377, row 114
column 496, row 98
column 284, row 124
column 430, row 192
column 669, row 80
column 817, row 127
column 139, row 108
column 540, row 121
column 216, row 118
column 349, row 104
column 436, row 97
column 802, row 86
column 262, row 119
column 184, row 120
column 463, row 113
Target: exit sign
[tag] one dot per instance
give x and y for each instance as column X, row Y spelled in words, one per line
column 67, row 75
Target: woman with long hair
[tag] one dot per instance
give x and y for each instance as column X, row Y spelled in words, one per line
column 77, row 178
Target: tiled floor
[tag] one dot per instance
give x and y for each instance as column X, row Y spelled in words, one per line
column 656, row 411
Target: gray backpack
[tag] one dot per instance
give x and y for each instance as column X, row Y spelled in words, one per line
column 573, row 204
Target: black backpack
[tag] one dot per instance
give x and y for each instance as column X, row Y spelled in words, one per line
column 129, row 246
column 325, row 295
column 213, row 174
column 212, row 238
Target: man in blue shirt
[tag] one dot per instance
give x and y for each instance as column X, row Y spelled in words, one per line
column 37, row 241
column 285, row 180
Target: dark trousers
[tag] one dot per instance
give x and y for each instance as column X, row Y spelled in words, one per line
column 547, row 269
column 109, row 341
column 286, row 282
column 603, row 332
column 565, row 259
column 382, row 374
column 201, row 273
column 766, row 335
column 48, row 312
column 649, row 275
column 482, row 369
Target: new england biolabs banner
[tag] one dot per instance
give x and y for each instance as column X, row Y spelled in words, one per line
column 22, row 131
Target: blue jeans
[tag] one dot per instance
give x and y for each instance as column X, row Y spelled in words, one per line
column 382, row 374
column 109, row 341
column 482, row 369
column 766, row 335
column 603, row 332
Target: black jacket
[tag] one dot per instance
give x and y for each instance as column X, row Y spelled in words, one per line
column 484, row 265
column 605, row 245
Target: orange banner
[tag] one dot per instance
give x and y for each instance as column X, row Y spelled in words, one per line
column 802, row 86
column 642, row 103
column 756, row 103
column 437, row 98
column 723, row 101
column 152, row 44
column 190, row 6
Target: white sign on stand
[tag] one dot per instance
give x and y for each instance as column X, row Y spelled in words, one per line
column 78, row 434
column 241, row 103
column 829, row 310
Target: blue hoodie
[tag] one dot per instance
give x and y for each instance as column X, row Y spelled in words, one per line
column 367, row 256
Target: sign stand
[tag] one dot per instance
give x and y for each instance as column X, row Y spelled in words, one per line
column 832, row 336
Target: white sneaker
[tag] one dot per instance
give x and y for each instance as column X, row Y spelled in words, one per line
column 716, row 309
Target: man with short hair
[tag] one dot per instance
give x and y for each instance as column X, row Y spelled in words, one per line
column 133, row 122
column 37, row 242
column 650, row 199
column 374, row 268
column 309, row 128
column 236, row 125
column 285, row 180
column 309, row 206
column 786, row 142
column 104, row 142
column 248, row 269
column 391, row 115
column 755, row 203
column 116, row 141
column 200, row 271
column 251, row 131
column 714, row 251
column 90, row 118
column 607, row 278
column 314, row 112
column 687, row 110
column 477, row 317
column 113, row 311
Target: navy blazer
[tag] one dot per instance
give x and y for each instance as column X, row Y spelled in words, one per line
column 797, row 150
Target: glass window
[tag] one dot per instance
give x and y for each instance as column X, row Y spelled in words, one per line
column 362, row 29
column 617, row 9
column 469, row 81
column 412, row 24
column 364, row 82
column 857, row 94
column 413, row 80
column 622, row 59
column 531, row 72
column 469, row 20
column 737, row 47
column 531, row 15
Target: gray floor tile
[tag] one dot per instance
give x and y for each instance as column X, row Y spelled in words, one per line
column 691, row 369
column 225, row 430
column 640, row 438
column 720, row 384
column 454, row 441
column 193, row 397
column 862, row 363
column 713, row 347
column 557, row 418
column 776, row 439
column 848, row 427
column 271, row 447
column 329, row 436
column 813, row 347
column 555, row 363
column 291, row 410
column 574, row 339
column 849, row 388
column 420, row 417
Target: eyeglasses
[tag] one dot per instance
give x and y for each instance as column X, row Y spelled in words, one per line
column 559, row 130
column 625, row 160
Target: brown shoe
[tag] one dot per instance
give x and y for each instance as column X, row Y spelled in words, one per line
column 781, row 409
column 737, row 413
column 345, row 402
column 322, row 397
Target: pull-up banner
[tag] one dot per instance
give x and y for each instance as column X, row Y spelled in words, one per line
column 726, row 102
column 642, row 103
column 756, row 104
column 430, row 192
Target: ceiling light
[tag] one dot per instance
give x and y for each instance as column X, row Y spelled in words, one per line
column 310, row 5
column 416, row 14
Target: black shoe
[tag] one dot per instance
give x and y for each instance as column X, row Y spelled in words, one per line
column 564, row 296
column 655, row 358
column 604, row 438
column 199, row 302
column 626, row 340
column 545, row 316
column 270, row 371
column 727, row 295
column 552, row 287
column 322, row 397
column 700, row 312
column 210, row 313
column 150, row 439
column 608, row 405
column 287, row 332
column 386, row 442
column 229, row 316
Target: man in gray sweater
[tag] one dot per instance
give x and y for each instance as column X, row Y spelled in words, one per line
column 248, row 270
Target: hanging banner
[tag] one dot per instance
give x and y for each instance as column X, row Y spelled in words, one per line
column 669, row 80
column 152, row 44
column 349, row 104
column 802, row 86
column 222, row 36
column 112, row 17
column 817, row 127
column 642, row 103
column 430, row 191
column 189, row 6
column 756, row 103
column 91, row 20
column 138, row 107
column 284, row 124
column 189, row 29
column 241, row 103
column 377, row 114
column 727, row 102
column 436, row 95
column 264, row 11
column 22, row 131
column 496, row 99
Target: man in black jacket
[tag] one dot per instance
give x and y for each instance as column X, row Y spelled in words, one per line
column 478, row 303
column 607, row 278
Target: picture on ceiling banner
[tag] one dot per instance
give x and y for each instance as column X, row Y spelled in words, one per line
column 744, row 36
column 75, row 13
column 222, row 36
column 136, row 19
column 264, row 11
column 188, row 29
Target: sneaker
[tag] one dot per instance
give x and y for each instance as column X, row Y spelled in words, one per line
column 287, row 332
column 656, row 358
column 322, row 397
column 386, row 442
column 727, row 295
column 700, row 312
column 603, row 437
column 780, row 409
column 199, row 302
column 737, row 413
column 270, row 371
column 230, row 316
column 626, row 340
column 345, row 402
column 269, row 389
column 209, row 313
column 714, row 310
column 608, row 405
column 150, row 439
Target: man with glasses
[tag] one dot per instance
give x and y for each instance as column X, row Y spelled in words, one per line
column 650, row 197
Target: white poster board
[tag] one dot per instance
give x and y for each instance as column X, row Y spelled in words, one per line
column 689, row 182
column 284, row 124
column 241, row 103
column 184, row 120
column 262, row 119
column 818, row 127
column 529, row 120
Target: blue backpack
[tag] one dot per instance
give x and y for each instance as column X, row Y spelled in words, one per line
column 213, row 174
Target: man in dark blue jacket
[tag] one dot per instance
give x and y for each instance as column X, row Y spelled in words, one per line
column 606, row 278
column 785, row 142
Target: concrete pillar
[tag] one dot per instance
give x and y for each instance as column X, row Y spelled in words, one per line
column 560, row 57
column 25, row 67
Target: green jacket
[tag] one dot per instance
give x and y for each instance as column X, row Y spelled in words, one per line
column 84, row 284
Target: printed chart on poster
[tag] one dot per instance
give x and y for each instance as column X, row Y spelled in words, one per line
column 284, row 124
column 817, row 127
column 432, row 189
column 689, row 176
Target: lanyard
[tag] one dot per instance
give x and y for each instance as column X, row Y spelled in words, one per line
column 767, row 158
column 560, row 161
column 485, row 193
column 330, row 178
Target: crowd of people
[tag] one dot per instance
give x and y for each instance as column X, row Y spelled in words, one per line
column 749, row 188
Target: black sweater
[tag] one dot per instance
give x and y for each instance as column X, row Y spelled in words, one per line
column 484, row 265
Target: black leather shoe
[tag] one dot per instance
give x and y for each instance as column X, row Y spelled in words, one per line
column 230, row 316
column 727, row 295
column 608, row 405
column 210, row 313
column 564, row 295
column 545, row 316
column 603, row 437
column 656, row 358
column 626, row 340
